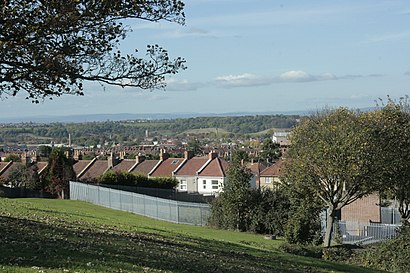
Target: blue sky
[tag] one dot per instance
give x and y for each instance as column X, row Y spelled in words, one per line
column 261, row 55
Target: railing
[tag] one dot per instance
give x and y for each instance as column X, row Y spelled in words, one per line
column 364, row 233
column 154, row 207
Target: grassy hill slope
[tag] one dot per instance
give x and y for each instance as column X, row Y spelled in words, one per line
column 39, row 235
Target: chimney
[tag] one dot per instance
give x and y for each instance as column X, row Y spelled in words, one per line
column 122, row 155
column 188, row 154
column 25, row 159
column 213, row 155
column 35, row 157
column 69, row 153
column 77, row 155
column 111, row 161
column 163, row 155
column 139, row 158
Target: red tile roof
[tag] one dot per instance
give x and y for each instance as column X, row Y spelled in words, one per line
column 191, row 167
column 96, row 169
column 3, row 165
column 274, row 170
column 80, row 165
column 7, row 167
column 41, row 166
column 166, row 167
column 145, row 167
column 217, row 167
column 256, row 167
column 124, row 165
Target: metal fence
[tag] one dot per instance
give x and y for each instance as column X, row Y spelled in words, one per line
column 364, row 233
column 154, row 207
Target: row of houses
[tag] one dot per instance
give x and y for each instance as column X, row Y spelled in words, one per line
column 204, row 175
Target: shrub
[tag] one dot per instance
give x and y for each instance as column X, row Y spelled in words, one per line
column 125, row 178
column 392, row 255
column 109, row 178
column 163, row 182
column 302, row 250
column 341, row 253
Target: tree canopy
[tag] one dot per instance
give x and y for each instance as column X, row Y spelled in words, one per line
column 393, row 124
column 60, row 172
column 50, row 48
column 334, row 155
column 270, row 151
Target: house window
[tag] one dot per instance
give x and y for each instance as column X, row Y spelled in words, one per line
column 214, row 184
column 183, row 185
column 174, row 162
column 268, row 180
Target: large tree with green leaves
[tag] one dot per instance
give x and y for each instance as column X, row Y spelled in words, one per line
column 23, row 176
column 333, row 154
column 270, row 151
column 393, row 123
column 232, row 209
column 51, row 47
column 59, row 172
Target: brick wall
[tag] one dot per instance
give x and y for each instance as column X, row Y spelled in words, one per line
column 363, row 210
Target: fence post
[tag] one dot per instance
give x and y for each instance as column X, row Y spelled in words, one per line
column 177, row 211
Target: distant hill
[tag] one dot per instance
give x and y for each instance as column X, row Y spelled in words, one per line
column 129, row 116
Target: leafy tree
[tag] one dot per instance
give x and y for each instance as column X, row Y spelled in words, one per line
column 194, row 145
column 12, row 157
column 232, row 209
column 16, row 178
column 49, row 48
column 59, row 172
column 238, row 156
column 22, row 176
column 44, row 151
column 270, row 151
column 333, row 153
column 393, row 123
column 271, row 212
column 304, row 224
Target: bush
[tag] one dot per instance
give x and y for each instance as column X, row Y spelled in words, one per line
column 302, row 250
column 341, row 253
column 303, row 228
column 125, row 178
column 163, row 182
column 392, row 255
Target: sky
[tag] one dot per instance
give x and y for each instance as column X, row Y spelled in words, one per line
column 260, row 56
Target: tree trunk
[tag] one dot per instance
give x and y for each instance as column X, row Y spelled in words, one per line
column 329, row 227
column 404, row 211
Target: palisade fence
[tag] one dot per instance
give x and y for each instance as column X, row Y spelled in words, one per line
column 154, row 207
column 351, row 232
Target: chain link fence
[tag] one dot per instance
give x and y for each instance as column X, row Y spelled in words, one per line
column 154, row 207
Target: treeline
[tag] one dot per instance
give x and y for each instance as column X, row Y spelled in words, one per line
column 131, row 132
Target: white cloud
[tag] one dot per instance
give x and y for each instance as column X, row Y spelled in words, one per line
column 253, row 80
column 182, row 85
column 242, row 80
column 295, row 76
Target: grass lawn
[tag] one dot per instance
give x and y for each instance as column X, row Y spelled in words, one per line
column 43, row 235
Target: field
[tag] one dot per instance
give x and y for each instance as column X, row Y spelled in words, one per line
column 43, row 235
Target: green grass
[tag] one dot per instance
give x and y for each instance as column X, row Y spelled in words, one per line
column 40, row 235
